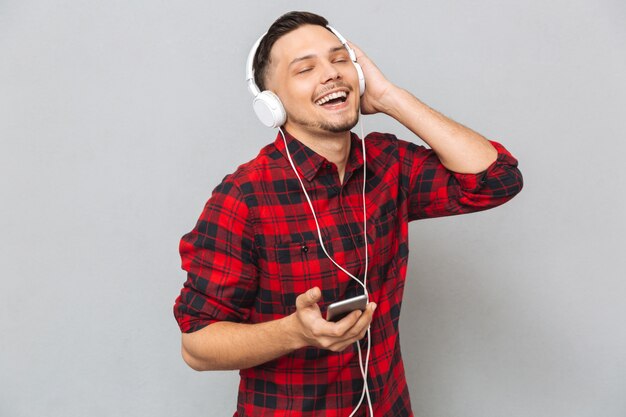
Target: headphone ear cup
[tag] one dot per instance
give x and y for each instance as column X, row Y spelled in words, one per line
column 359, row 71
column 269, row 109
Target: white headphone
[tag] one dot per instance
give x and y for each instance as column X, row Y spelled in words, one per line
column 267, row 105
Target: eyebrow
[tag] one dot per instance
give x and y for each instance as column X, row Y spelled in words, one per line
column 305, row 57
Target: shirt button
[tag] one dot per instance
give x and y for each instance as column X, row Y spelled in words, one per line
column 304, row 248
column 328, row 166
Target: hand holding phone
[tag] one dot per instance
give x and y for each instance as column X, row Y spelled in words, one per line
column 310, row 328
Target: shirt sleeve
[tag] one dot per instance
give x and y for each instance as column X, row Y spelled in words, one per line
column 219, row 257
column 435, row 191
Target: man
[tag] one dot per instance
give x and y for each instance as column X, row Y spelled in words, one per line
column 259, row 281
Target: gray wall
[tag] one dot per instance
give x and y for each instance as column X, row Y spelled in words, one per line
column 118, row 118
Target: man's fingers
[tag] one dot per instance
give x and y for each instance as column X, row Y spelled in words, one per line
column 357, row 50
column 321, row 328
column 346, row 323
column 355, row 322
column 366, row 318
column 308, row 298
column 363, row 320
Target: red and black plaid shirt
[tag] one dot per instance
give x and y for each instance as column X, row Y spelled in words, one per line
column 255, row 249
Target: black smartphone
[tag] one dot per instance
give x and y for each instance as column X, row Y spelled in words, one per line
column 339, row 309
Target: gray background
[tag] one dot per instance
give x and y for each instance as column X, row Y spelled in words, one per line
column 118, row 118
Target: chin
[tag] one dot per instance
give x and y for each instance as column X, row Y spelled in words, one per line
column 325, row 124
column 339, row 127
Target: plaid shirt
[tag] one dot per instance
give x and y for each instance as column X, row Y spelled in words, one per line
column 255, row 249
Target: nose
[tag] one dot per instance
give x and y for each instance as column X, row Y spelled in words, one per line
column 329, row 72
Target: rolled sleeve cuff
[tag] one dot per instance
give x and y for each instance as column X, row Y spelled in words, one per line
column 473, row 182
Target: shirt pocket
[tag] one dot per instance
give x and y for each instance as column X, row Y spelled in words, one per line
column 301, row 266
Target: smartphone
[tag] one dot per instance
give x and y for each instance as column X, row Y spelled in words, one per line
column 339, row 309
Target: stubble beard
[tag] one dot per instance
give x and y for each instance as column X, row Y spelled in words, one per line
column 337, row 127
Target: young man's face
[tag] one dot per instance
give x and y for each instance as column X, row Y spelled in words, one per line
column 313, row 75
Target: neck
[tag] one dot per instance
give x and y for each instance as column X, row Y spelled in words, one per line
column 335, row 147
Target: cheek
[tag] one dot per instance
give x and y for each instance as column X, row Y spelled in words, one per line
column 298, row 93
column 352, row 77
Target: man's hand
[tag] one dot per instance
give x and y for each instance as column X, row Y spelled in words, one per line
column 312, row 330
column 377, row 87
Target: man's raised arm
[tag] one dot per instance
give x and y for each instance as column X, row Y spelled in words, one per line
column 459, row 148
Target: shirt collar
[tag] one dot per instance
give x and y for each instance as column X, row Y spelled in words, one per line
column 308, row 162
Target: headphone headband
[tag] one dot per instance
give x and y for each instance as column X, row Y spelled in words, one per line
column 254, row 89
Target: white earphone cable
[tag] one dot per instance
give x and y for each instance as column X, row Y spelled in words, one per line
column 363, row 366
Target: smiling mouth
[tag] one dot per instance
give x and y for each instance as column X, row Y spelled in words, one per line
column 337, row 97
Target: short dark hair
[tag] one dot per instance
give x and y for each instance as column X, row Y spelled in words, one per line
column 283, row 25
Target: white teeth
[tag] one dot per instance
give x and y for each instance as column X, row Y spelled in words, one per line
column 331, row 96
